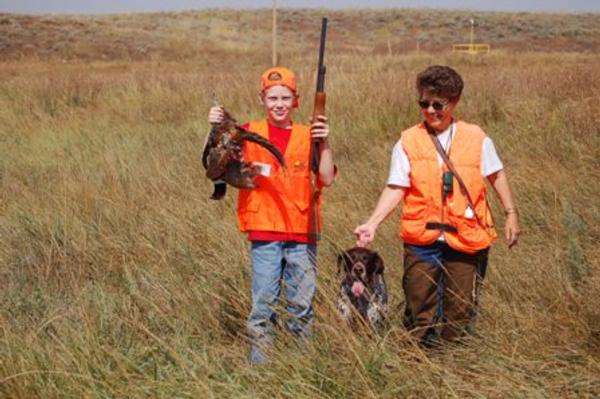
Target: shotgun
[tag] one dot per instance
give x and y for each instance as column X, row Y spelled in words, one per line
column 319, row 109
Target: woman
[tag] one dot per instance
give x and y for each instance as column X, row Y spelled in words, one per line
column 439, row 169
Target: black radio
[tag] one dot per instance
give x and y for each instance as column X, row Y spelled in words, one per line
column 447, row 182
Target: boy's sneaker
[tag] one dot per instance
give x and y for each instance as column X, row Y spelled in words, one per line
column 257, row 355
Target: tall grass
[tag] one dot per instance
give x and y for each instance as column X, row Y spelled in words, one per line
column 121, row 279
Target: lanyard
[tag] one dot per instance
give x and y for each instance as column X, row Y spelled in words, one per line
column 448, row 145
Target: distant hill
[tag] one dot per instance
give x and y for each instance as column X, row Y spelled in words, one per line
column 198, row 34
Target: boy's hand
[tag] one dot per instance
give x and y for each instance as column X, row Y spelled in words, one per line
column 365, row 234
column 215, row 115
column 511, row 229
column 319, row 128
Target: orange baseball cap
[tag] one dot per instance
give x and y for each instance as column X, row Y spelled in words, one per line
column 278, row 76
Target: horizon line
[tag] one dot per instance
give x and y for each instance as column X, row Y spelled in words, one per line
column 305, row 8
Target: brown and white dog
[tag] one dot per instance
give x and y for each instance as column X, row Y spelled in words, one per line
column 363, row 286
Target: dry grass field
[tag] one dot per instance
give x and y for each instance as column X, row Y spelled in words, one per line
column 198, row 35
column 119, row 278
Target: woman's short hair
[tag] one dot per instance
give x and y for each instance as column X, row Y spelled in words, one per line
column 441, row 81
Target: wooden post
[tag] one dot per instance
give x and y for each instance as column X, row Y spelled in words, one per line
column 472, row 35
column 417, row 35
column 274, row 34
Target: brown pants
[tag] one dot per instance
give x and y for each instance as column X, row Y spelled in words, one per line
column 441, row 287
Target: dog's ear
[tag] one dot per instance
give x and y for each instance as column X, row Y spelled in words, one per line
column 378, row 262
column 343, row 261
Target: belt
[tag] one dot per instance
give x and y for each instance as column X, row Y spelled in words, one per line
column 441, row 226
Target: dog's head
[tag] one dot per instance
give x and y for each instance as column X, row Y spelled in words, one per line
column 360, row 265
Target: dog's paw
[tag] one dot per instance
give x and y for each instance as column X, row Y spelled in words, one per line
column 344, row 309
column 376, row 313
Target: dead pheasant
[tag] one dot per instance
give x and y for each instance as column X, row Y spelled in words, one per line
column 223, row 156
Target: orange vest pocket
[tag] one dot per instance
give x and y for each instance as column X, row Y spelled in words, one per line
column 418, row 208
column 470, row 234
column 411, row 230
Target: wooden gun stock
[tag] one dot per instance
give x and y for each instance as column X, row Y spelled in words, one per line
column 319, row 108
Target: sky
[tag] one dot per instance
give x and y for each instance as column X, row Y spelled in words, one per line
column 112, row 6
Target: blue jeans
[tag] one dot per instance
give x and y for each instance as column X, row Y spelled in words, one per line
column 295, row 264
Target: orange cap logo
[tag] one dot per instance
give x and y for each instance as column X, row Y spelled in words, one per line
column 274, row 76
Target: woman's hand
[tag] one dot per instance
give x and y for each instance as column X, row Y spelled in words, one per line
column 365, row 234
column 215, row 115
column 511, row 229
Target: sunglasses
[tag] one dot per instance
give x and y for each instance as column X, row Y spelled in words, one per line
column 437, row 105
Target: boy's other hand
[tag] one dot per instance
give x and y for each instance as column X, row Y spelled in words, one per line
column 319, row 128
column 215, row 115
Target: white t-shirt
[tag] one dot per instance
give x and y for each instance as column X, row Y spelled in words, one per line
column 400, row 165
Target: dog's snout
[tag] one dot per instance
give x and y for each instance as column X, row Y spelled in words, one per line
column 359, row 268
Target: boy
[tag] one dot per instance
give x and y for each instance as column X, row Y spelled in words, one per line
column 276, row 214
column 438, row 168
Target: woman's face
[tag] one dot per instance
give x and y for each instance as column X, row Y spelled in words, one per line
column 436, row 110
column 278, row 102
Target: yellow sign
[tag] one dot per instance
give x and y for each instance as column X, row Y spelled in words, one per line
column 471, row 48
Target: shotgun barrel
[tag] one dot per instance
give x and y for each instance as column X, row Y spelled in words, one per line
column 319, row 109
column 321, row 66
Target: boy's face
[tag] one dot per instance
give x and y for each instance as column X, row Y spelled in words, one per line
column 437, row 110
column 278, row 102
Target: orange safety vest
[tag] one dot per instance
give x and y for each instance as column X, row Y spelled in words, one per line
column 423, row 199
column 281, row 201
